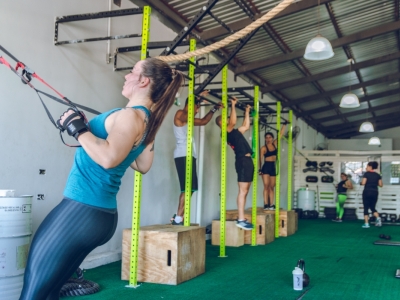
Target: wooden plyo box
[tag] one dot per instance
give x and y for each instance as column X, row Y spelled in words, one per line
column 231, row 214
column 296, row 222
column 265, row 229
column 167, row 254
column 234, row 236
column 265, row 225
column 287, row 222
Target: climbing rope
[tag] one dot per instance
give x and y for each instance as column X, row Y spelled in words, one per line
column 226, row 41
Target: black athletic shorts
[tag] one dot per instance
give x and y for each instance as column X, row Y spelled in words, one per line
column 268, row 168
column 244, row 168
column 180, row 163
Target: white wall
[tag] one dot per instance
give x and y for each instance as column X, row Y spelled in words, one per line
column 29, row 142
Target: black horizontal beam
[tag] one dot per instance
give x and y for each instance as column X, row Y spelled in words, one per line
column 189, row 27
column 105, row 38
column 362, row 99
column 150, row 45
column 343, row 41
column 385, row 79
column 393, row 104
column 332, row 73
column 237, row 25
column 100, row 15
column 378, row 127
column 353, row 127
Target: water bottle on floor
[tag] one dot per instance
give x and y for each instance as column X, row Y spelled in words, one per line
column 297, row 279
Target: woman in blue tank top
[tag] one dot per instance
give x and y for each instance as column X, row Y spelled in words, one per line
column 87, row 216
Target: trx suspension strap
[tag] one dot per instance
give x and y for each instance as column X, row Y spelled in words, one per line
column 26, row 76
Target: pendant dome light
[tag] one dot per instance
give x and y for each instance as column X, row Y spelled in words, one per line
column 367, row 127
column 349, row 100
column 318, row 48
column 374, row 141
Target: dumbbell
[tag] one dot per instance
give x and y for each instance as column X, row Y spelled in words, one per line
column 393, row 218
column 386, row 237
column 384, row 217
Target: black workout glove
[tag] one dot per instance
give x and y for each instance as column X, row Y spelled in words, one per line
column 75, row 127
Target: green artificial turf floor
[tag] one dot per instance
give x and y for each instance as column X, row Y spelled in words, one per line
column 340, row 258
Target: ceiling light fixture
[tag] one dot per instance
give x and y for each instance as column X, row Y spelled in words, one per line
column 318, row 48
column 374, row 141
column 367, row 127
column 349, row 100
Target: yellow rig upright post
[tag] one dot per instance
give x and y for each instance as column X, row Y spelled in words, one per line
column 223, row 159
column 290, row 160
column 255, row 162
column 189, row 141
column 278, row 168
column 137, row 194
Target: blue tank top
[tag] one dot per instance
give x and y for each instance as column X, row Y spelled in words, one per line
column 89, row 182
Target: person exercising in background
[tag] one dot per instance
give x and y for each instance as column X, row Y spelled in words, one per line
column 341, row 189
column 371, row 180
column 268, row 169
column 244, row 163
column 180, row 132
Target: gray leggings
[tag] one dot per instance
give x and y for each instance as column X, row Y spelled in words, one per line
column 63, row 240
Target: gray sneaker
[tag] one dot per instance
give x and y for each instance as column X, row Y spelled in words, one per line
column 378, row 222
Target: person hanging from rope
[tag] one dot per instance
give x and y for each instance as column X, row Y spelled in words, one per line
column 341, row 189
column 268, row 154
column 371, row 180
column 243, row 162
column 180, row 132
column 87, row 216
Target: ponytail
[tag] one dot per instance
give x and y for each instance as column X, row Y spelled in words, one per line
column 165, row 84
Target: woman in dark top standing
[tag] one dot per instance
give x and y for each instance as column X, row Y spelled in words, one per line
column 268, row 154
column 341, row 189
column 371, row 180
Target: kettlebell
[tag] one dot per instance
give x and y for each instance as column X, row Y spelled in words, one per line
column 302, row 265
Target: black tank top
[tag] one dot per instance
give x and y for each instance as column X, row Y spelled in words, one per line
column 270, row 153
column 340, row 188
column 238, row 143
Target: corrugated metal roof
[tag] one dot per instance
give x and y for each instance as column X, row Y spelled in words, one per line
column 268, row 59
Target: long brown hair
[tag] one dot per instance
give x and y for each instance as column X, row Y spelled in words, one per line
column 165, row 83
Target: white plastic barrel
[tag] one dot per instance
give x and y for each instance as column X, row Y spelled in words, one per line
column 15, row 237
column 306, row 199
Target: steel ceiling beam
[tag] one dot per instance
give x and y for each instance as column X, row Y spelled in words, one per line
column 362, row 111
column 347, row 49
column 355, row 125
column 388, row 79
column 352, row 38
column 189, row 27
column 331, row 73
column 237, row 25
column 380, row 125
column 251, row 10
column 177, row 21
column 363, row 99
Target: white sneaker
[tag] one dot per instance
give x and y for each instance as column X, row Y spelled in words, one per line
column 378, row 222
